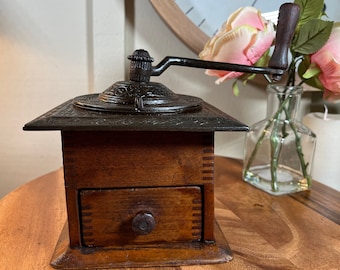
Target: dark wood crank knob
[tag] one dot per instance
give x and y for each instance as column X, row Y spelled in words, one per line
column 288, row 18
column 143, row 223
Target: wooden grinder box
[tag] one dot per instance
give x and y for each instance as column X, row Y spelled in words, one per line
column 139, row 184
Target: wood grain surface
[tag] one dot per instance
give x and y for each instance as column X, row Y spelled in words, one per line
column 299, row 231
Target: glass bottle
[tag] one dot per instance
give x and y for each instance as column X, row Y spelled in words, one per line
column 279, row 150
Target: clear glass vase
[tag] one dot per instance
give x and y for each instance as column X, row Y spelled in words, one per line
column 279, row 150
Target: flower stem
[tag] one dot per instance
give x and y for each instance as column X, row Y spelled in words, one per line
column 275, row 144
column 304, row 165
column 260, row 140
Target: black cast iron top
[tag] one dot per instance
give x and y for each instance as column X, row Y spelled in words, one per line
column 68, row 117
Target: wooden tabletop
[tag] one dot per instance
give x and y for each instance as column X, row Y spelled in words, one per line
column 299, row 231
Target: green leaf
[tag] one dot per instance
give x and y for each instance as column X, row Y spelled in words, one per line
column 249, row 78
column 263, row 60
column 312, row 36
column 303, row 66
column 314, row 82
column 309, row 9
column 312, row 78
column 246, row 77
column 235, row 88
column 312, row 71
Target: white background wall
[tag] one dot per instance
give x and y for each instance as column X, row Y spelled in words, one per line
column 52, row 51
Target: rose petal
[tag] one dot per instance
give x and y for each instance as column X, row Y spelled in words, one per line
column 331, row 96
column 328, row 61
column 239, row 41
column 263, row 41
column 231, row 47
column 246, row 16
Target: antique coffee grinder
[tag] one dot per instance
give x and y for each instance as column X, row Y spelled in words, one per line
column 139, row 170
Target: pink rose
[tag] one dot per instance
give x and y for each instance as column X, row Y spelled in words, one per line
column 328, row 61
column 243, row 39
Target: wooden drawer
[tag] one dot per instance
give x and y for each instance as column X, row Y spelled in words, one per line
column 108, row 216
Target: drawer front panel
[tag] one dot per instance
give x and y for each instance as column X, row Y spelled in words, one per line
column 167, row 214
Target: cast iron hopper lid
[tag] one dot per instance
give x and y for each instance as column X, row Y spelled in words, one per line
column 138, row 98
column 69, row 117
column 137, row 104
column 139, row 95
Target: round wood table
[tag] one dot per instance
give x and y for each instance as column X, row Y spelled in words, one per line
column 298, row 231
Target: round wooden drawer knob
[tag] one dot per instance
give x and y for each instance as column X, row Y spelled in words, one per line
column 143, row 223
